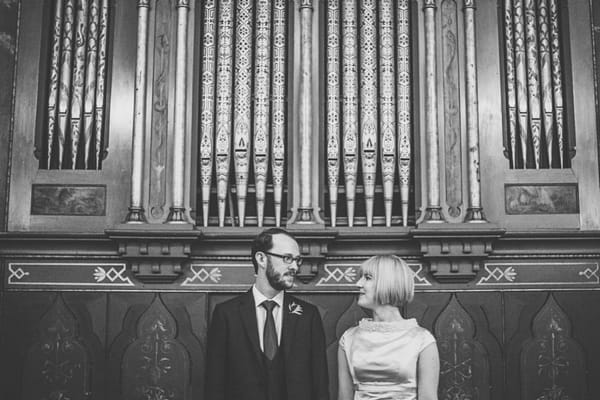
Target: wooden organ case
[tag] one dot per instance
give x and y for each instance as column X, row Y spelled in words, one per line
column 148, row 142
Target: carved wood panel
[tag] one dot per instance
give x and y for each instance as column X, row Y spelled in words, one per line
column 494, row 339
column 158, row 348
column 552, row 362
column 52, row 345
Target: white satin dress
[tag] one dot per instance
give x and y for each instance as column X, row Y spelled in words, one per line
column 382, row 357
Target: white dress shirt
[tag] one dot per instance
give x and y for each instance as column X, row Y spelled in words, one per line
column 261, row 314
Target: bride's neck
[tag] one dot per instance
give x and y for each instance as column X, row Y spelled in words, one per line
column 387, row 313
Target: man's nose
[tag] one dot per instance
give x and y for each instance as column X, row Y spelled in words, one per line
column 293, row 266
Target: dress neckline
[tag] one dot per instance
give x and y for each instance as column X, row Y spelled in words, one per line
column 387, row 326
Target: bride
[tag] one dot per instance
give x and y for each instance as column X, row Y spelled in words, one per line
column 387, row 357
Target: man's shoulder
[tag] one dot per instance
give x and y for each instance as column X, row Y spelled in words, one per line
column 233, row 302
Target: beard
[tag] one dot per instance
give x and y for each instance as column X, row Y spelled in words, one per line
column 279, row 281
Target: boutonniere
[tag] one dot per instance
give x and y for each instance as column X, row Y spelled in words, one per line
column 295, row 308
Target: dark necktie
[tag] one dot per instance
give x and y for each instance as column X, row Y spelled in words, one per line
column 269, row 333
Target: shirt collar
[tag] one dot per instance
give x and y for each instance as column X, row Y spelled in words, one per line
column 259, row 297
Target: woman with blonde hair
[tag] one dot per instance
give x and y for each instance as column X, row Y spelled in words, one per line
column 387, row 357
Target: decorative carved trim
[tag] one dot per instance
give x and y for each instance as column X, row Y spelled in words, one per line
column 347, row 274
column 454, row 253
column 156, row 254
column 313, row 248
column 210, row 274
column 540, row 273
column 70, row 274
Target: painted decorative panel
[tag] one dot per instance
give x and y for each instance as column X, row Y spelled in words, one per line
column 68, row 200
column 67, row 275
column 164, row 40
column 464, row 364
column 240, row 276
column 539, row 273
column 552, row 362
column 156, row 365
column 57, row 364
column 541, row 199
column 452, row 126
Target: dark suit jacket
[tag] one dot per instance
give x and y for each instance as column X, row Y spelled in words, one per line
column 235, row 366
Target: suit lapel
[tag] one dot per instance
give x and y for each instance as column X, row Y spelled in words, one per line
column 288, row 325
column 248, row 317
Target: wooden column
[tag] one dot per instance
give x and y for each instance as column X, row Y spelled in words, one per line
column 474, row 210
column 136, row 210
column 305, row 210
column 433, row 210
column 177, row 210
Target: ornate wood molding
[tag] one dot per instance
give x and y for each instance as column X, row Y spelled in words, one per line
column 454, row 252
column 313, row 248
column 155, row 254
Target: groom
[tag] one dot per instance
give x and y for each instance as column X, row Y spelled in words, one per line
column 267, row 344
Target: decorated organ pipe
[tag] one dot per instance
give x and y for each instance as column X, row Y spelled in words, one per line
column 101, row 81
column 557, row 79
column 242, row 102
column 207, row 114
column 404, row 101
column 534, row 84
column 78, row 79
column 65, row 78
column 368, row 109
column 262, row 73
column 521, row 75
column 278, row 90
column 223, row 106
column 73, row 137
column 54, row 78
column 333, row 105
column 387, row 101
column 545, row 60
column 511, row 96
column 350, row 103
column 90, row 79
column 243, row 109
column 368, row 101
column 533, row 80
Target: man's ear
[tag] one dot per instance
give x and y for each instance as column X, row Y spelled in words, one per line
column 260, row 258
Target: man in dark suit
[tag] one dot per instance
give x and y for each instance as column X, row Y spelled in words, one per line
column 267, row 344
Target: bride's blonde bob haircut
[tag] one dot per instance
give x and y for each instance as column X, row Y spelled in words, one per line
column 394, row 280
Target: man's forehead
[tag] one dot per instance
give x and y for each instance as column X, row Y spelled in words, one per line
column 284, row 244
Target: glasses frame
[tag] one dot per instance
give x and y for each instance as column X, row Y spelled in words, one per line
column 287, row 258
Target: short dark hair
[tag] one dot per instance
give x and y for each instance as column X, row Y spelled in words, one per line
column 264, row 242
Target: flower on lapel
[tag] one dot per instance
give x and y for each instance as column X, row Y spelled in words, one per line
column 295, row 308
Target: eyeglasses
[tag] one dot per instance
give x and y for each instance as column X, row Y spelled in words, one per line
column 287, row 258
